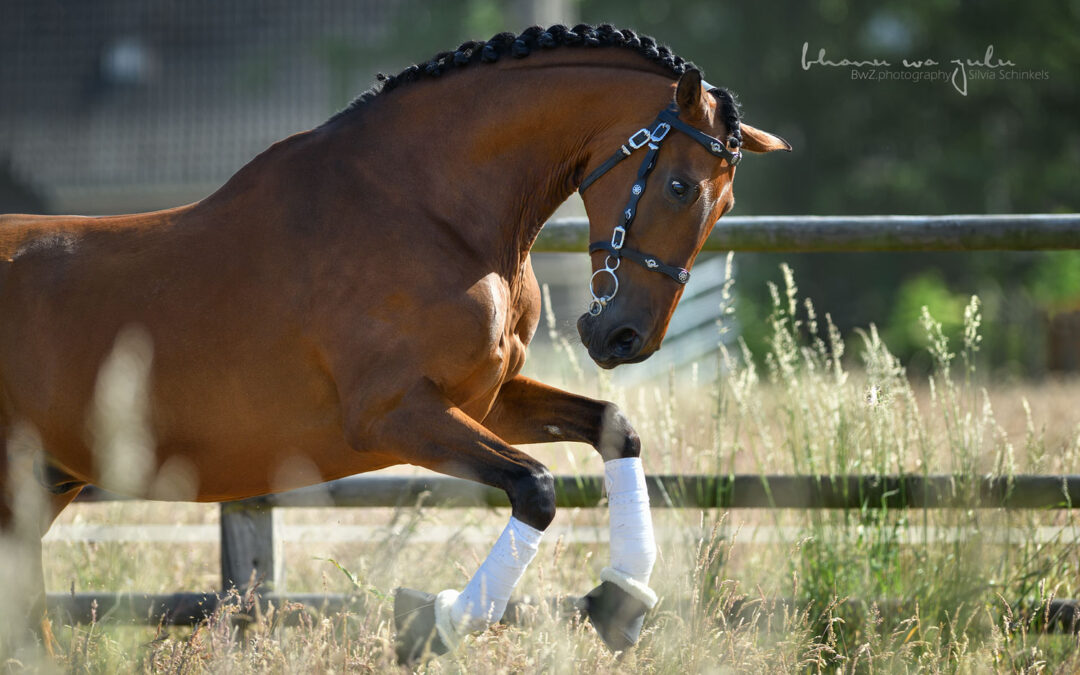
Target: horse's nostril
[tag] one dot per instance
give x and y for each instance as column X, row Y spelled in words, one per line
column 624, row 341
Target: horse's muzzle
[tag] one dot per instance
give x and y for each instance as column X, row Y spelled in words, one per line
column 623, row 344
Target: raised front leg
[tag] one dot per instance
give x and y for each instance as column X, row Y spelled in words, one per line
column 428, row 431
column 529, row 412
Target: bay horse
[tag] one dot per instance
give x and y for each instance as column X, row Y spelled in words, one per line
column 361, row 295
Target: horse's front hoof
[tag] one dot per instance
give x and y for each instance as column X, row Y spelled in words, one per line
column 616, row 615
column 414, row 619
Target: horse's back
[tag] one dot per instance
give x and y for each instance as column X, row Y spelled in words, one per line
column 19, row 230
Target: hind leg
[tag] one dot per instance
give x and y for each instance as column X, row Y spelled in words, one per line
column 42, row 624
column 20, row 552
column 26, row 512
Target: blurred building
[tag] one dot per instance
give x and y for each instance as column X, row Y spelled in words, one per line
column 111, row 106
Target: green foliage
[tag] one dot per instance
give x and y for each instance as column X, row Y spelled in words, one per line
column 1017, row 291
column 1055, row 282
column 904, row 334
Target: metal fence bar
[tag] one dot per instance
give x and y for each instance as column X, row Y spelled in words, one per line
column 819, row 234
column 747, row 491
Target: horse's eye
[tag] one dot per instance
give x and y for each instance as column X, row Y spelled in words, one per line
column 678, row 188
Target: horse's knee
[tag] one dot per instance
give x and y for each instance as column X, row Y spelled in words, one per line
column 532, row 498
column 618, row 439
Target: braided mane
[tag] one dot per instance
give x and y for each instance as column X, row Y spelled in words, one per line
column 536, row 37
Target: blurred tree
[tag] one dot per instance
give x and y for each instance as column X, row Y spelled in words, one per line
column 926, row 290
column 1010, row 145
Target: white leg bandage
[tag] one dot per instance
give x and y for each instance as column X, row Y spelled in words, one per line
column 633, row 546
column 484, row 599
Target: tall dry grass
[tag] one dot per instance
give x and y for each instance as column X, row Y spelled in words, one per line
column 864, row 590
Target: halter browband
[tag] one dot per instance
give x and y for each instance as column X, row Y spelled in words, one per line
column 667, row 120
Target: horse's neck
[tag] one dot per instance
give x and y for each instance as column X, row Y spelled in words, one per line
column 495, row 150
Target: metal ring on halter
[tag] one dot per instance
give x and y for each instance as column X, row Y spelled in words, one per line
column 600, row 301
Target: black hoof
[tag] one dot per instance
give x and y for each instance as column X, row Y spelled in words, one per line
column 616, row 615
column 414, row 619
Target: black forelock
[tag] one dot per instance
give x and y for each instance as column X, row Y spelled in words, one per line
column 536, row 37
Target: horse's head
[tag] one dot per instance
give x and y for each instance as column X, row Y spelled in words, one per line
column 651, row 215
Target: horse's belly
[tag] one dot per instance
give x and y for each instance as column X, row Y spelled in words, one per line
column 261, row 427
column 216, row 421
column 215, row 458
column 213, row 471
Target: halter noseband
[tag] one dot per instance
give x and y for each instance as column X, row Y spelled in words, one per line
column 667, row 120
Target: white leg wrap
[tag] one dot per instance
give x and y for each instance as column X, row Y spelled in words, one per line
column 484, row 599
column 450, row 636
column 633, row 546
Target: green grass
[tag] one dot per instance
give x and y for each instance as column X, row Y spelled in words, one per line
column 864, row 590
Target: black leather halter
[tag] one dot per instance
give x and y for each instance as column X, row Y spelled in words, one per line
column 651, row 138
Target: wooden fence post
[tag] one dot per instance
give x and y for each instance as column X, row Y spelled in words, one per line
column 248, row 545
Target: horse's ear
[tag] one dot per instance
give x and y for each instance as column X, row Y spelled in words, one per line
column 689, row 95
column 756, row 140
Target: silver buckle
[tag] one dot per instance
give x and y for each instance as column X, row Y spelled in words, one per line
column 660, row 132
column 618, row 236
column 640, row 138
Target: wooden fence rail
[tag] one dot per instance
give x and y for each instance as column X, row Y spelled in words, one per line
column 188, row 609
column 249, row 548
column 691, row 491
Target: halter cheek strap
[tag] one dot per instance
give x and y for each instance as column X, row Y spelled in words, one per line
column 651, row 138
